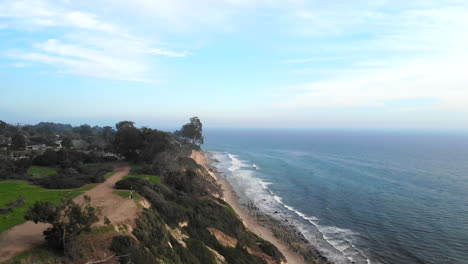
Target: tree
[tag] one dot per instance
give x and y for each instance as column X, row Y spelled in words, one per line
column 48, row 158
column 192, row 131
column 67, row 143
column 124, row 124
column 154, row 142
column 85, row 131
column 18, row 142
column 68, row 220
column 108, row 133
column 128, row 140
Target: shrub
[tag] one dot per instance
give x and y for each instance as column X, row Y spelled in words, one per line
column 130, row 250
column 68, row 220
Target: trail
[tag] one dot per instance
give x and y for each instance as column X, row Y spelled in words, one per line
column 118, row 209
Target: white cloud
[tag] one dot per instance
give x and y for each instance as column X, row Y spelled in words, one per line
column 306, row 60
column 168, row 53
column 80, row 42
column 88, row 21
column 443, row 80
column 419, row 53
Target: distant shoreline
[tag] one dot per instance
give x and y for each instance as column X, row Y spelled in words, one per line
column 232, row 199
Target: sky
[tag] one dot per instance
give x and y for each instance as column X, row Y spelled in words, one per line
column 236, row 63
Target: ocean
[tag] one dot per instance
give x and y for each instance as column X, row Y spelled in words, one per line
column 358, row 196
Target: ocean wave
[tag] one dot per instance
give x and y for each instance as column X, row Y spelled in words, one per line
column 340, row 238
column 265, row 184
column 257, row 191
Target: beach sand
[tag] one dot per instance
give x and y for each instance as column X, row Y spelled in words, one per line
column 232, row 199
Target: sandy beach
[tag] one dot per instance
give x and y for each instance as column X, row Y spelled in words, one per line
column 231, row 198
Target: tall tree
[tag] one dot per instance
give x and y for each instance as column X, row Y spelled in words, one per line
column 124, row 124
column 192, row 131
column 108, row 133
column 128, row 140
column 85, row 130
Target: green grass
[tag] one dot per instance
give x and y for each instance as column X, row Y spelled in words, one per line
column 229, row 208
column 37, row 255
column 14, row 190
column 126, row 194
column 38, row 171
column 102, row 229
column 108, row 175
column 150, row 178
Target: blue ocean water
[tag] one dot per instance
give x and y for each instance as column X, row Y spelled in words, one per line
column 359, row 196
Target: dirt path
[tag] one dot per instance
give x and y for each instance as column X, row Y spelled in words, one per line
column 119, row 210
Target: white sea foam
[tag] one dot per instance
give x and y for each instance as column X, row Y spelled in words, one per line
column 250, row 187
column 339, row 238
column 236, row 164
column 265, row 184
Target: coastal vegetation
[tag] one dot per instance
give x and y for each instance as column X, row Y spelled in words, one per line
column 67, row 220
column 192, row 131
column 185, row 220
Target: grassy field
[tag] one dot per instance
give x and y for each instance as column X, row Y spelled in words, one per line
column 38, row 172
column 150, row 178
column 14, row 190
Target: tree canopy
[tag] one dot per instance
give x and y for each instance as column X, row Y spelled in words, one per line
column 68, row 220
column 19, row 142
column 192, row 131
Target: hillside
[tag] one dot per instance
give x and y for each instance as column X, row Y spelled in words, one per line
column 177, row 215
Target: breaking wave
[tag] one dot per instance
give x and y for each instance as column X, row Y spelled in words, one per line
column 335, row 242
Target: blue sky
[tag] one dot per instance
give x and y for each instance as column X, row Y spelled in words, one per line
column 244, row 63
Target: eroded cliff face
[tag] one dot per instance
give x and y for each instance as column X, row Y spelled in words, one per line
column 188, row 223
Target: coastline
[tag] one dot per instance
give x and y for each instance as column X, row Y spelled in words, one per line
column 229, row 196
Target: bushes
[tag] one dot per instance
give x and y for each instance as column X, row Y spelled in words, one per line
column 130, row 250
column 270, row 249
column 10, row 169
column 48, row 158
column 63, row 181
column 68, row 220
column 73, row 178
column 172, row 206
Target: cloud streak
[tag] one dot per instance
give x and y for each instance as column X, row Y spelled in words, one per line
column 81, row 43
column 419, row 53
column 168, row 53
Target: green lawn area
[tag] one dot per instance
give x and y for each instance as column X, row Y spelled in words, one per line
column 14, row 190
column 108, row 175
column 150, row 178
column 38, row 171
